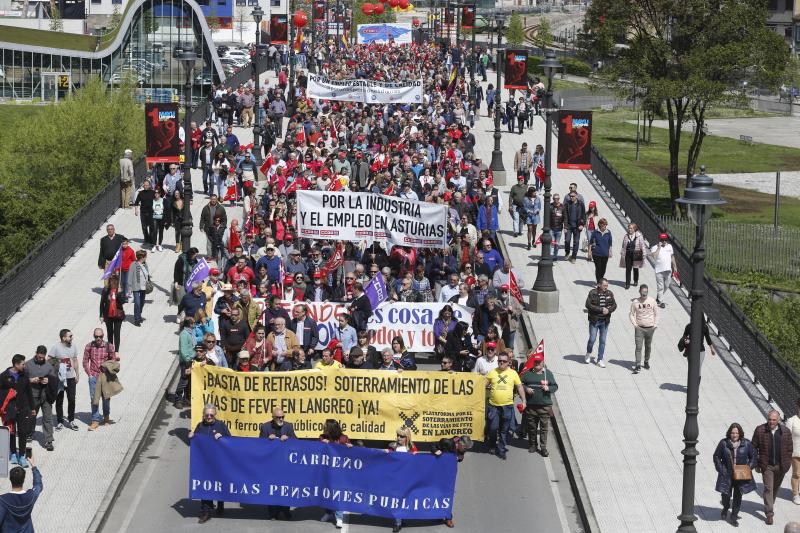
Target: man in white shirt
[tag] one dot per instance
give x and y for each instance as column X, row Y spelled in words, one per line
column 644, row 317
column 450, row 290
column 488, row 362
column 664, row 266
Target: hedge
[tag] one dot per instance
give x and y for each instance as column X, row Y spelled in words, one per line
column 576, row 67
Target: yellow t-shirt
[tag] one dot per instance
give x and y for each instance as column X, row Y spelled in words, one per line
column 321, row 365
column 502, row 386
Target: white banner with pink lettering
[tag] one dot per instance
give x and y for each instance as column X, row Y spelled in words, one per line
column 411, row 321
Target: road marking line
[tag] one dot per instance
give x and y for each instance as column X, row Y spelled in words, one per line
column 562, row 517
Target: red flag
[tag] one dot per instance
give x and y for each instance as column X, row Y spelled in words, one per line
column 513, row 286
column 537, row 242
column 335, row 261
column 389, row 190
column 539, row 172
column 335, row 184
column 268, row 162
column 533, row 358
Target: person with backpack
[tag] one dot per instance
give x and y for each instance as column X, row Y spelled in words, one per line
column 16, row 408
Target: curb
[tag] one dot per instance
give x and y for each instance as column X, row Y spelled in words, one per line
column 136, row 446
column 576, row 483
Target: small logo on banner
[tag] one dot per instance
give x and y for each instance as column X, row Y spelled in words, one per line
column 409, row 421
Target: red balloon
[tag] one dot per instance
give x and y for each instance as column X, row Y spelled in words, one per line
column 394, row 3
column 377, row 9
column 367, row 9
column 384, row 1
column 300, row 18
column 415, row 22
column 403, row 4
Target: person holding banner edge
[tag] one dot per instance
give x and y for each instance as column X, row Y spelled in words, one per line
column 218, row 429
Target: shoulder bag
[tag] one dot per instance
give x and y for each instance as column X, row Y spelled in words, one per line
column 740, row 472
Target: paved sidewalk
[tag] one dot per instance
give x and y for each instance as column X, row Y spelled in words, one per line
column 78, row 474
column 627, row 429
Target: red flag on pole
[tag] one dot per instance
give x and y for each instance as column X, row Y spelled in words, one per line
column 267, row 164
column 538, row 240
column 539, row 171
column 513, row 286
column 335, row 261
column 535, row 357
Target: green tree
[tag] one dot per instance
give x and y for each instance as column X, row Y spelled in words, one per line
column 515, row 34
column 149, row 22
column 94, row 127
column 56, row 22
column 692, row 55
column 116, row 19
column 213, row 21
column 544, row 34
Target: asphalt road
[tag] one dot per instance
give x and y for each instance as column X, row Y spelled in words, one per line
column 525, row 493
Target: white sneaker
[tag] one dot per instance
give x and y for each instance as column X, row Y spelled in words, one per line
column 601, row 363
column 326, row 517
column 339, row 523
column 796, row 499
column 587, row 359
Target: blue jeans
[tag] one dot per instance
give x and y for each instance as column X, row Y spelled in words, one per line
column 138, row 305
column 96, row 408
column 500, row 419
column 572, row 240
column 596, row 326
column 518, row 216
column 556, row 239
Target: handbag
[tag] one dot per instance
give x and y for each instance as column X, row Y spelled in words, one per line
column 740, row 472
column 638, row 253
column 148, row 287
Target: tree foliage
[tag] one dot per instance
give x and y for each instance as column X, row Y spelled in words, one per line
column 544, row 34
column 691, row 55
column 776, row 320
column 42, row 186
column 515, row 34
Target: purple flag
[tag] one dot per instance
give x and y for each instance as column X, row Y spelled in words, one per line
column 376, row 291
column 115, row 264
column 199, row 273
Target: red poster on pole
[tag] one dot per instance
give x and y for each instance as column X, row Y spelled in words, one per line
column 161, row 133
column 279, row 29
column 516, row 70
column 468, row 16
column 319, row 10
column 575, row 140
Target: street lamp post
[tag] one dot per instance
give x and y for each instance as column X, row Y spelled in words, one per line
column 544, row 295
column 290, row 101
column 700, row 198
column 472, row 46
column 258, row 15
column 497, row 168
column 187, row 59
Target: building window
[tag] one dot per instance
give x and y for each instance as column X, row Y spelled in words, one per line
column 772, row 5
column 275, row 3
column 96, row 1
column 789, row 5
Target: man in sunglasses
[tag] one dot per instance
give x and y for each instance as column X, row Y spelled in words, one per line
column 503, row 381
column 217, row 429
column 277, row 429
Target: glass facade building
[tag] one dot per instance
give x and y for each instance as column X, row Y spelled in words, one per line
column 142, row 49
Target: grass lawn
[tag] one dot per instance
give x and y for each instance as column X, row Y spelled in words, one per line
column 616, row 140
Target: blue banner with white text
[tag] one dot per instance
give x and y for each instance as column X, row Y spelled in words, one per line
column 298, row 473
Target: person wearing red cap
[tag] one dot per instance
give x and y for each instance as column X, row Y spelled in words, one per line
column 540, row 385
column 665, row 266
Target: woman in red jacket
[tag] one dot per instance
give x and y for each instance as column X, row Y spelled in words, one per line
column 128, row 258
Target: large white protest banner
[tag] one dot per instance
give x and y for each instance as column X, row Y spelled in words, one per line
column 411, row 321
column 360, row 216
column 364, row 91
column 399, row 32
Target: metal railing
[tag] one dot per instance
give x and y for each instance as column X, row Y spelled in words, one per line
column 745, row 247
column 22, row 281
column 768, row 367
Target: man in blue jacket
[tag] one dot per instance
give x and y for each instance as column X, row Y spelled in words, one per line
column 16, row 506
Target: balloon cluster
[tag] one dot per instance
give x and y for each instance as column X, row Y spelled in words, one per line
column 378, row 9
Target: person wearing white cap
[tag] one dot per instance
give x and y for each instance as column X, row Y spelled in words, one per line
column 126, row 178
